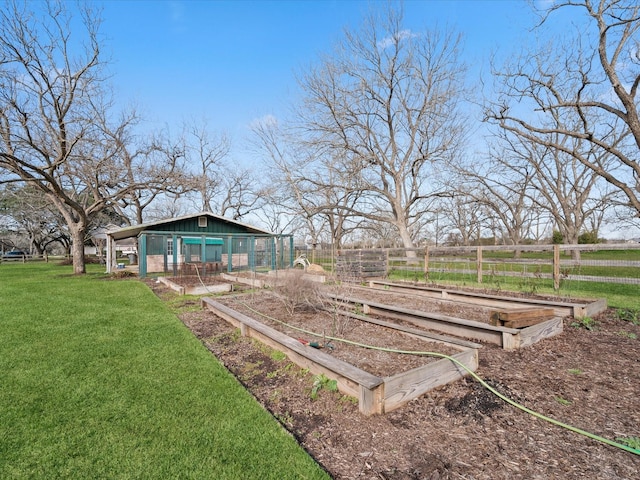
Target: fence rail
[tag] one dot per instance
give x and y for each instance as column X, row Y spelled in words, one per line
column 23, row 258
column 606, row 263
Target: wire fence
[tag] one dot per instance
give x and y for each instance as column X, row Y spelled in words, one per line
column 529, row 268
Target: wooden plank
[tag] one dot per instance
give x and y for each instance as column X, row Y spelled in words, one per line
column 594, row 308
column 520, row 318
column 524, row 314
column 527, row 322
column 406, row 386
column 452, row 341
column 446, row 327
column 535, row 333
column 371, row 400
column 511, row 341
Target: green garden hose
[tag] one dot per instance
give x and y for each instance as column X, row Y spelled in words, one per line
column 472, row 373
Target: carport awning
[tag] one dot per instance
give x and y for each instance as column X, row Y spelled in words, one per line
column 198, row 241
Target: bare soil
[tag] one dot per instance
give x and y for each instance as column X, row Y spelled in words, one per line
column 589, row 379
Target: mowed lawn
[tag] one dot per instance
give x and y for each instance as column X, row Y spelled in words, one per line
column 98, row 379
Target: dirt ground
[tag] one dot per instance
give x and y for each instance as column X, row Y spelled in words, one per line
column 589, row 379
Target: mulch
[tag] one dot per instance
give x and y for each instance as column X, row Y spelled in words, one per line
column 589, row 379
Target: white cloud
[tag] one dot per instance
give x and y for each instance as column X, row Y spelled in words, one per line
column 391, row 40
column 264, row 121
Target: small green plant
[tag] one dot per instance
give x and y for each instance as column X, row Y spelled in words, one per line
column 587, row 323
column 633, row 442
column 289, row 366
column 631, row 315
column 562, row 401
column 284, row 418
column 236, row 335
column 278, row 356
column 348, row 399
column 275, row 395
column 575, row 371
column 321, row 382
column 629, row 335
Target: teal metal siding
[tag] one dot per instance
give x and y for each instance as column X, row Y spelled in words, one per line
column 191, row 225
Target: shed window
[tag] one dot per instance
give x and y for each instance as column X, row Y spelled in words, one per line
column 202, row 222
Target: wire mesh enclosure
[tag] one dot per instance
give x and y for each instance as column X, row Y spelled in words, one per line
column 204, row 255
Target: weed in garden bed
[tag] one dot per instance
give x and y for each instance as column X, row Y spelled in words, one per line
column 321, row 382
column 562, row 401
column 629, row 335
column 587, row 323
column 278, row 356
column 631, row 315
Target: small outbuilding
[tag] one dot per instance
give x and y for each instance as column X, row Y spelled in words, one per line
column 203, row 241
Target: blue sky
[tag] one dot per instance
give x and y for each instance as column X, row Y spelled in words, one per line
column 235, row 61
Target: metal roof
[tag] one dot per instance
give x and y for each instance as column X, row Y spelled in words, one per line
column 135, row 230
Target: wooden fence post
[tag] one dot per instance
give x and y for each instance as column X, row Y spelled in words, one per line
column 388, row 269
column 556, row 267
column 426, row 263
column 479, row 263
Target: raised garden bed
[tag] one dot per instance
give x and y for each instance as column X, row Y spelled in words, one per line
column 193, row 286
column 507, row 338
column 376, row 393
column 272, row 278
column 574, row 308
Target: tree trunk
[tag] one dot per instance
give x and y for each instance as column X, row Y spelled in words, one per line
column 407, row 242
column 77, row 248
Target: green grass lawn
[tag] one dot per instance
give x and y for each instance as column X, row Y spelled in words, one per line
column 99, row 379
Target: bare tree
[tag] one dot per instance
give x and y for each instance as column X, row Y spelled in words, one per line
column 554, row 180
column 33, row 217
column 205, row 152
column 240, row 193
column 465, row 216
column 384, row 110
column 55, row 121
column 319, row 193
column 584, row 90
column 504, row 196
column 152, row 164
